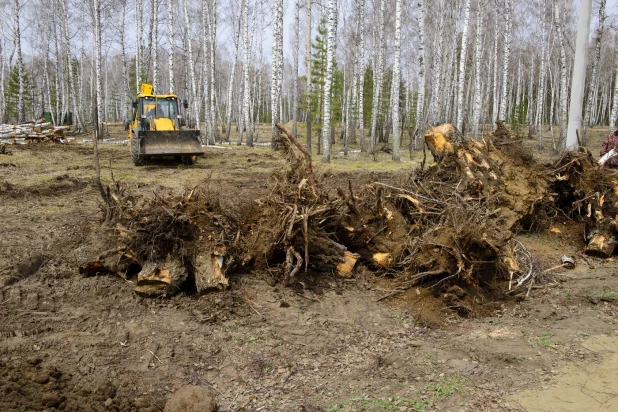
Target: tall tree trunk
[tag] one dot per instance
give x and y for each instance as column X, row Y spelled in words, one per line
column 420, row 102
column 541, row 98
column 155, row 44
column 295, row 53
column 245, row 52
column 478, row 54
column 139, row 28
column 505, row 59
column 591, row 100
column 170, row 37
column 361, row 74
column 195, row 106
column 563, row 76
column 230, row 89
column 331, row 28
column 379, row 69
column 125, row 70
column 308, row 119
column 396, row 80
column 462, row 67
column 579, row 74
column 277, row 63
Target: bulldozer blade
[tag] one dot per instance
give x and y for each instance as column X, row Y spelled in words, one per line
column 170, row 143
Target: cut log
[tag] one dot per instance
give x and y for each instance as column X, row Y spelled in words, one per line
column 160, row 278
column 345, row 268
column 600, row 245
column 383, row 260
column 210, row 270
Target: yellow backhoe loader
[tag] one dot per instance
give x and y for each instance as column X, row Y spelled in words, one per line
column 156, row 131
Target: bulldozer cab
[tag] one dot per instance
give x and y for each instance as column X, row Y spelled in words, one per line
column 156, row 129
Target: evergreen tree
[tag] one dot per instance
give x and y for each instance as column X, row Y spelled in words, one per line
column 11, row 94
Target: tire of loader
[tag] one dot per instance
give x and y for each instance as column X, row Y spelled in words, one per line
column 189, row 160
column 135, row 157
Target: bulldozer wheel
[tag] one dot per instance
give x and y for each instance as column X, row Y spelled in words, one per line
column 189, row 160
column 135, row 157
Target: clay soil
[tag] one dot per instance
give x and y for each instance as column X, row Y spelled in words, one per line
column 70, row 342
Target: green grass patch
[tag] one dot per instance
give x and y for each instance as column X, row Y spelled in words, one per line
column 597, row 293
column 446, row 385
column 362, row 403
column 251, row 337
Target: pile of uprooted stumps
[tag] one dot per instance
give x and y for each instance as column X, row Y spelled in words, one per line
column 450, row 225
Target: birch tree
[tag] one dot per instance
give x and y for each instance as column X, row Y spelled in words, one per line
column 478, row 54
column 228, row 106
column 379, row 67
column 277, row 62
column 541, row 90
column 361, row 57
column 462, row 68
column 563, row 77
column 330, row 54
column 245, row 52
column 308, row 71
column 505, row 59
column 170, row 39
column 591, row 100
column 295, row 53
column 420, row 104
column 194, row 101
column 396, row 80
column 154, row 18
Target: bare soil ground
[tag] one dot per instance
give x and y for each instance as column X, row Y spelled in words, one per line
column 74, row 343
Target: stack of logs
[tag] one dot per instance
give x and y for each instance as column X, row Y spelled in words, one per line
column 34, row 132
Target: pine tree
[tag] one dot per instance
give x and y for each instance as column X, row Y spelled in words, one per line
column 11, row 94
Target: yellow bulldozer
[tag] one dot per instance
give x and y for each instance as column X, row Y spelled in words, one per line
column 156, row 129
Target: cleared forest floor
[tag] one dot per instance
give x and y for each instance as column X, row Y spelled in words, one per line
column 71, row 342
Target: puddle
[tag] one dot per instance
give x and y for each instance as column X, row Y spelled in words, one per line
column 586, row 386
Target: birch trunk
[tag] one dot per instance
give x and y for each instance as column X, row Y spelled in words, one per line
column 125, row 70
column 139, row 17
column 420, row 102
column 228, row 106
column 462, row 68
column 308, row 71
column 361, row 74
column 563, row 76
column 436, row 67
column 194, row 100
column 155, row 44
column 541, row 93
column 330, row 55
column 591, row 98
column 170, row 37
column 245, row 52
column 396, row 80
column 21, row 115
column 377, row 85
column 277, row 63
column 477, row 76
column 496, row 96
column 295, row 53
column 614, row 113
column 505, row 59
